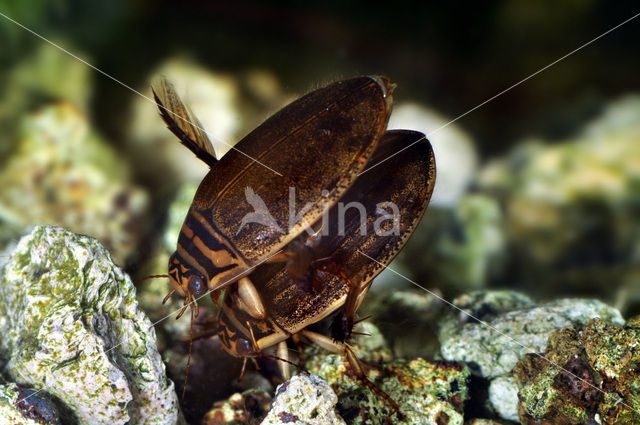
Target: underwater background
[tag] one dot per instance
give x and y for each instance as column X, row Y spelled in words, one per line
column 533, row 228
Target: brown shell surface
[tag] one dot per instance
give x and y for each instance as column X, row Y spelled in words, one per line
column 406, row 179
column 320, row 141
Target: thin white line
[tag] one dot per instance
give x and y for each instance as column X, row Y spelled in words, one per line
column 507, row 89
column 164, row 318
column 129, row 87
column 532, row 350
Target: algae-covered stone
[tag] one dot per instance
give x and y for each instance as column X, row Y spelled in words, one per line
column 426, row 392
column 240, row 408
column 588, row 374
column 487, row 305
column 513, row 326
column 71, row 325
column 305, row 400
column 495, row 349
column 63, row 173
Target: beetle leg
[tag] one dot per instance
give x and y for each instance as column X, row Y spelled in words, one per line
column 168, row 296
column 249, row 299
column 244, row 367
column 283, row 353
column 355, row 365
column 255, row 363
column 184, row 307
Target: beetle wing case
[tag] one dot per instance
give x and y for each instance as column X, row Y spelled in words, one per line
column 319, row 142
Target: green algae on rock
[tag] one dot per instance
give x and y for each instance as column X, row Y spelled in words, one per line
column 304, row 400
column 495, row 349
column 516, row 327
column 426, row 392
column 71, row 325
column 597, row 381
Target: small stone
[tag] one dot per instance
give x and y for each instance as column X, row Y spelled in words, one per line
column 406, row 318
column 26, row 407
column 71, row 325
column 455, row 150
column 304, row 400
column 503, row 397
column 240, row 408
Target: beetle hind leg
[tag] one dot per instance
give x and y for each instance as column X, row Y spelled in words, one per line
column 354, row 364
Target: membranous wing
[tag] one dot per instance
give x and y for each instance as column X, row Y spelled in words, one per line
column 182, row 122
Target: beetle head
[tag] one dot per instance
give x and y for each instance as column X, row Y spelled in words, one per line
column 187, row 280
column 233, row 340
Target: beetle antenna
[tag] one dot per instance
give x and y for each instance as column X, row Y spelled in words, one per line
column 360, row 333
column 151, row 276
column 367, row 317
column 193, row 303
column 271, row 356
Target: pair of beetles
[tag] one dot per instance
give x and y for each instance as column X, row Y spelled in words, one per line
column 271, row 284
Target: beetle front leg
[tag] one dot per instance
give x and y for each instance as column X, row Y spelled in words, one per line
column 354, row 364
column 249, row 299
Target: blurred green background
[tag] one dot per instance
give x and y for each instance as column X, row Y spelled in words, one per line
column 539, row 189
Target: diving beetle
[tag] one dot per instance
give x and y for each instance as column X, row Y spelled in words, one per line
column 321, row 141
